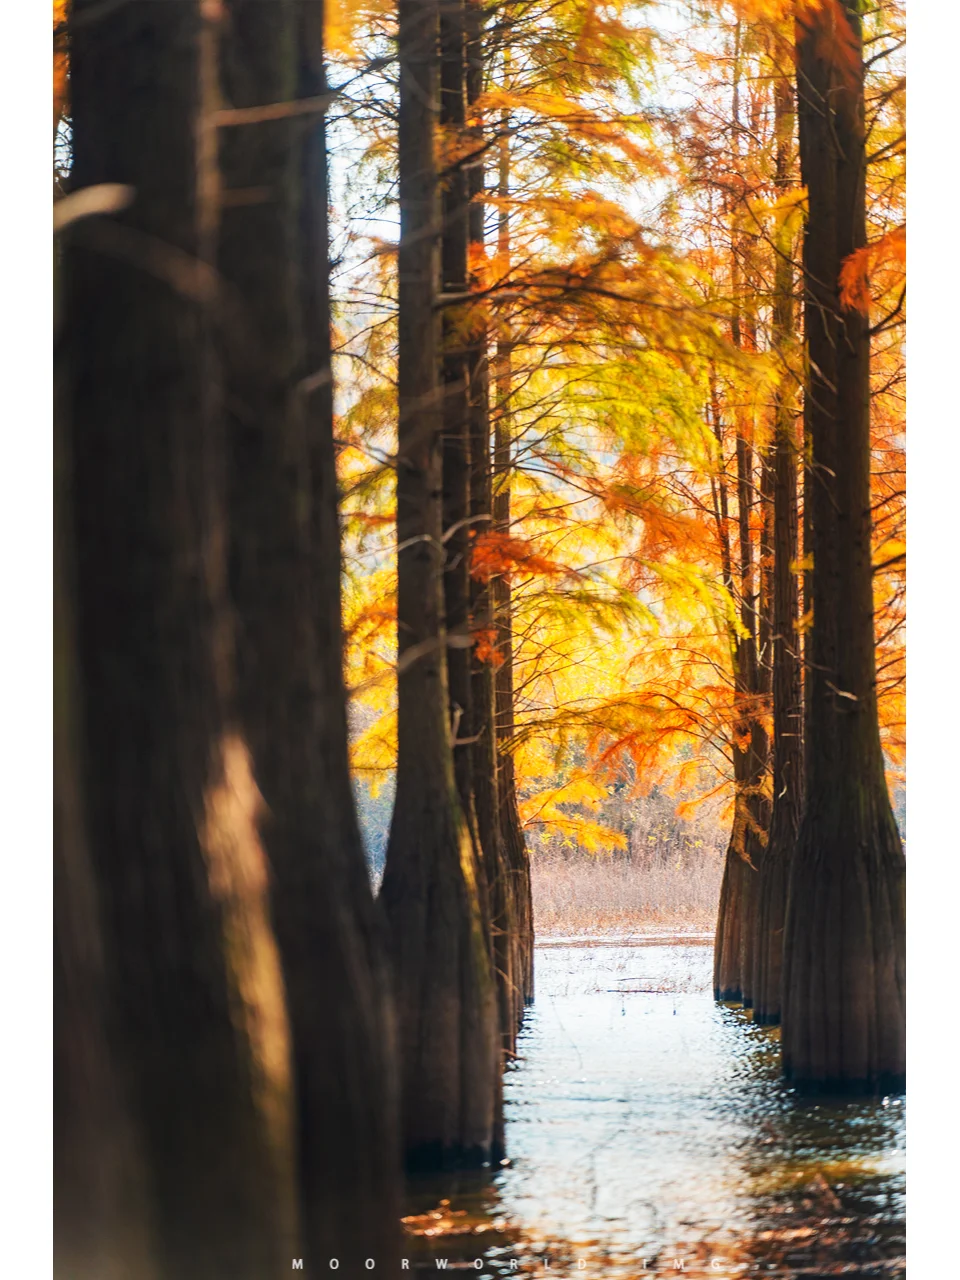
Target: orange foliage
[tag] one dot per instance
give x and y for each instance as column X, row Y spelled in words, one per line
column 886, row 256
column 836, row 41
column 495, row 554
column 633, row 290
column 486, row 647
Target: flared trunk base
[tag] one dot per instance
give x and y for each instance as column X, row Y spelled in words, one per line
column 844, row 947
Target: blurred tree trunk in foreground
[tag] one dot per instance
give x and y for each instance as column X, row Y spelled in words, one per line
column 98, row 1186
column 176, row 703
column 197, row 1011
column 285, row 585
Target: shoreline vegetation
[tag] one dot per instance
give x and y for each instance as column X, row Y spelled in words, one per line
column 615, row 897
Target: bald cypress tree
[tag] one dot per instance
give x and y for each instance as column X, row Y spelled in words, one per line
column 511, row 829
column 843, row 981
column 101, row 1229
column 196, row 1013
column 733, row 941
column 242, row 1081
column 444, row 981
column 285, row 585
column 490, row 780
column 786, row 664
column 732, row 971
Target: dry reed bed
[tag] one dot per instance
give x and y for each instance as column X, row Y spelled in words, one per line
column 583, row 894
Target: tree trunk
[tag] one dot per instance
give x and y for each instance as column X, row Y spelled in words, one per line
column 759, row 804
column 733, row 959
column 726, row 942
column 454, row 376
column 460, row 522
column 445, row 988
column 504, row 916
column 100, row 1222
column 197, row 1005
column 285, row 583
column 733, row 944
column 787, row 689
column 511, row 828
column 843, row 981
column 728, row 939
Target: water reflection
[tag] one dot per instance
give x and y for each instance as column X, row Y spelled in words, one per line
column 649, row 1131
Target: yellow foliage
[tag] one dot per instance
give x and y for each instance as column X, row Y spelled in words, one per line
column 629, row 397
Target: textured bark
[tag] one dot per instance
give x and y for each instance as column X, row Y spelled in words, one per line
column 285, row 583
column 445, row 988
column 843, row 982
column 733, row 960
column 787, row 688
column 511, row 829
column 197, row 1006
column 734, row 942
column 726, row 941
column 100, row 1213
column 486, row 771
column 758, row 802
column 728, row 938
column 462, row 404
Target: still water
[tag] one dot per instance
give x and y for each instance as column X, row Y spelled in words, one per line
column 649, row 1133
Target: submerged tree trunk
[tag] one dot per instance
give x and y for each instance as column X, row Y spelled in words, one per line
column 726, row 941
column 515, row 850
column 197, row 1007
column 787, row 689
column 511, row 828
column 445, row 987
column 285, row 583
column 486, row 771
column 733, row 949
column 460, row 523
column 736, row 914
column 843, row 981
column 758, row 800
column 733, row 943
